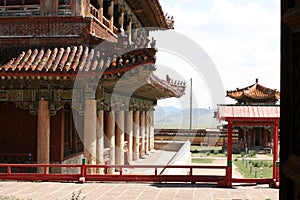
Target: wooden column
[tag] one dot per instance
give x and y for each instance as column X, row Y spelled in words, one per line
column 129, row 133
column 229, row 155
column 90, row 125
column 111, row 14
column 78, row 7
column 147, row 132
column 275, row 150
column 121, row 19
column 142, row 133
column 48, row 7
column 152, row 130
column 136, row 135
column 100, row 2
column 128, row 29
column 100, row 140
column 110, row 136
column 43, row 137
column 120, row 138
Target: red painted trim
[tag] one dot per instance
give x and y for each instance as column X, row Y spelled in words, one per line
column 155, row 177
column 275, row 150
column 269, row 119
column 238, row 123
column 253, row 180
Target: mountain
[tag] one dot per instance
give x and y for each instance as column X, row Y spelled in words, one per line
column 172, row 117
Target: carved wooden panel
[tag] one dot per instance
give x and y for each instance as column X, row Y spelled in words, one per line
column 41, row 27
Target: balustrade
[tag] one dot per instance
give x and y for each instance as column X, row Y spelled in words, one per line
column 96, row 15
column 20, row 10
column 64, row 10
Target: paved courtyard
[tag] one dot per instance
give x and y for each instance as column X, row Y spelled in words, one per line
column 133, row 191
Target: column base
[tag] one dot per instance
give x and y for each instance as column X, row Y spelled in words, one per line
column 275, row 184
column 224, row 184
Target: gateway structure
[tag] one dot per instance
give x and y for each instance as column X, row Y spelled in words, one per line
column 46, row 46
column 254, row 101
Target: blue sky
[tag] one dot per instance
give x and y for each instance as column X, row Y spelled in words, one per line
column 241, row 37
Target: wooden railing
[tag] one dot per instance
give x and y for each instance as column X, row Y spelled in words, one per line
column 15, row 158
column 104, row 22
column 64, row 10
column 20, row 10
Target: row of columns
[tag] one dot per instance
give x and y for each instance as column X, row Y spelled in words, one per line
column 103, row 129
column 135, row 127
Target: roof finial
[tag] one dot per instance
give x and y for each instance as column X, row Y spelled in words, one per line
column 256, row 80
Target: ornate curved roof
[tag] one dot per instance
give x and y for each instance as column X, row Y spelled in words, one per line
column 63, row 64
column 68, row 61
column 255, row 93
column 149, row 12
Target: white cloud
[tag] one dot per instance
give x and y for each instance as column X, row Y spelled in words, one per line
column 241, row 39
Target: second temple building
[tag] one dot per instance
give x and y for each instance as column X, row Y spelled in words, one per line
column 256, row 106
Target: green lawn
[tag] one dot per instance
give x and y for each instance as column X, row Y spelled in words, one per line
column 263, row 167
column 201, row 151
column 202, row 160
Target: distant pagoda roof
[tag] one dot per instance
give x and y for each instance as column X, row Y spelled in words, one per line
column 254, row 94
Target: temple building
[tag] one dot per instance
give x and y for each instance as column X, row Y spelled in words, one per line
column 255, row 106
column 77, row 80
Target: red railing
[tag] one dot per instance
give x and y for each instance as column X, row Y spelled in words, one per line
column 88, row 174
column 121, row 175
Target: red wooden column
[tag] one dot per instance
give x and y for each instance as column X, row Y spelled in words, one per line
column 275, row 154
column 111, row 14
column 100, row 140
column 147, row 132
column 90, row 125
column 229, row 155
column 151, row 145
column 43, row 135
column 136, row 135
column 119, row 151
column 142, row 132
column 109, row 130
column 100, row 2
column 129, row 133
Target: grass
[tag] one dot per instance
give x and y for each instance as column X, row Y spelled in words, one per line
column 263, row 167
column 198, row 151
column 202, row 160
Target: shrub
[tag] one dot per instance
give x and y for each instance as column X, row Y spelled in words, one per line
column 242, row 154
column 271, row 165
column 252, row 153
